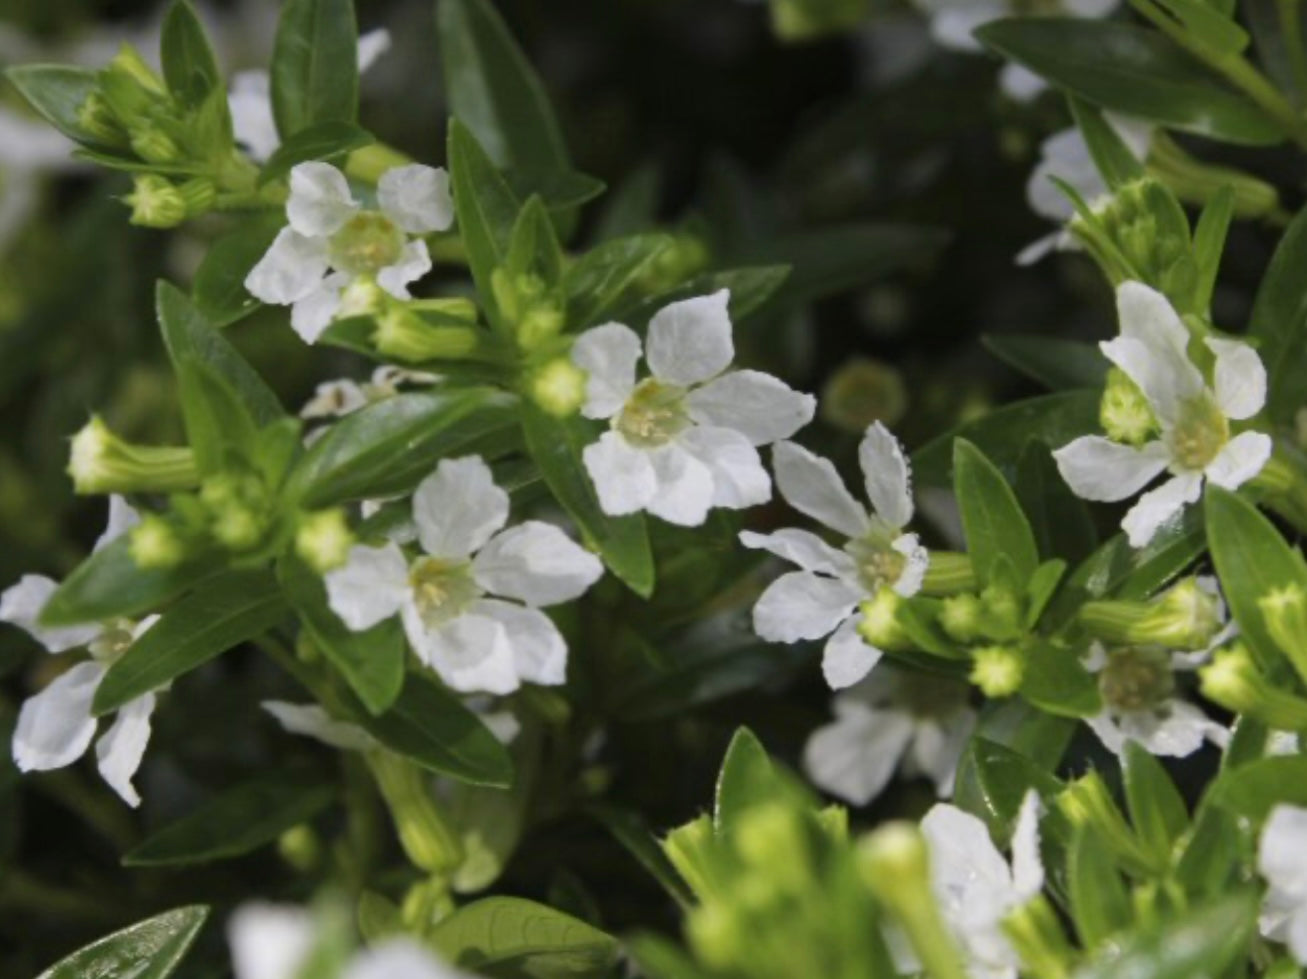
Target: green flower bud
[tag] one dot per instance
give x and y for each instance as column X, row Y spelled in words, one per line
column 153, row 145
column 558, row 387
column 155, row 543
column 880, row 625
column 1087, row 802
column 772, row 839
column 1036, row 933
column 1000, row 612
column 801, row 20
column 156, row 203
column 237, row 505
column 101, row 462
column 1197, row 182
column 428, row 839
column 405, row 336
column 425, row 905
column 997, row 670
column 947, row 573
column 1124, row 412
column 863, row 391
column 1233, row 681
column 96, row 117
column 715, row 931
column 539, row 324
column 960, row 617
column 1187, row 616
column 129, row 63
column 323, row 539
column 1285, row 612
column 300, row 847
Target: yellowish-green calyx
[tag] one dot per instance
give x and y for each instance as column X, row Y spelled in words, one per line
column 654, row 414
column 1199, row 435
column 442, row 589
column 1136, row 678
column 367, row 243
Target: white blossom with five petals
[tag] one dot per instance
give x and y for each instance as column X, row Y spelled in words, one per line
column 685, row 439
column 823, row 598
column 56, row 726
column 1195, row 445
column 451, row 599
column 332, row 241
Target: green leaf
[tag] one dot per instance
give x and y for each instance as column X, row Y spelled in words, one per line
column 493, row 90
column 1254, row 788
column 623, row 542
column 189, row 65
column 57, row 92
column 1054, row 419
column 603, row 276
column 218, row 425
column 1209, row 244
column 1214, row 853
column 1202, row 941
column 149, row 949
column 487, row 209
column 1278, row 323
column 109, row 585
column 315, row 65
column 1043, row 585
column 219, row 289
column 226, row 612
column 1252, row 559
column 533, row 246
column 387, row 448
column 1206, row 26
column 994, row 779
column 233, row 823
column 321, row 141
column 748, row 778
column 1157, row 810
column 991, row 516
column 1133, row 70
column 1055, row 363
column 513, row 938
column 372, row 661
column 429, row 725
column 1114, row 160
column 1056, row 681
column 187, row 334
column 1100, row 906
column 751, row 289
column 1061, row 521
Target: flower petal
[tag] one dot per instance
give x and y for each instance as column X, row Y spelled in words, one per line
column 122, row 518
column 291, row 268
column 855, row 757
column 539, row 652
column 369, row 587
column 758, row 405
column 320, row 201
column 21, row 604
column 847, row 658
column 739, row 479
column 470, row 653
column 803, row 548
column 373, row 45
column 623, row 475
column 249, row 100
column 1099, row 469
column 914, row 569
column 413, row 263
column 965, row 865
column 938, row 746
column 1019, row 83
column 120, row 750
column 1239, row 378
column 1152, row 350
column 690, row 341
column 887, row 475
column 1177, row 734
column 1027, row 867
column 458, row 508
column 310, row 315
column 417, row 198
column 269, row 941
column 608, row 354
column 1282, row 850
column 1239, row 460
column 536, row 563
column 800, row 605
column 811, row 485
column 400, row 958
column 1158, row 506
column 311, row 721
column 55, row 726
column 685, row 487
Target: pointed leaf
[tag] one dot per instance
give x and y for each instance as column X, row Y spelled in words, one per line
column 150, row 949
column 315, row 65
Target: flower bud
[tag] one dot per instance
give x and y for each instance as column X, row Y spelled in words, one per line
column 960, row 617
column 1124, row 412
column 948, row 572
column 1037, row 935
column 558, row 387
column 155, row 543
column 405, row 336
column 1285, row 612
column 300, row 847
column 1087, row 802
column 1233, row 681
column 1187, row 616
column 156, row 202
column 153, row 145
column 1000, row 609
column 129, row 63
column 96, row 117
column 426, row 836
column 362, row 297
column 426, row 904
column 863, row 391
column 1197, row 182
column 880, row 625
column 323, row 539
column 101, row 462
column 997, row 670
column 236, row 505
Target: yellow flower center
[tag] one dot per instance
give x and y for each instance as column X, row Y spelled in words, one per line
column 442, row 589
column 1200, row 434
column 368, row 243
column 654, row 414
column 1136, row 679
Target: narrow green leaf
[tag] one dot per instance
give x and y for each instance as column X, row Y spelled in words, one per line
column 219, row 426
column 1100, row 906
column 371, row 661
column 1252, row 558
column 1061, row 521
column 1157, row 810
column 1056, row 681
column 1278, row 323
column 387, row 448
column 751, row 289
column 1254, row 788
column 1112, row 157
column 623, row 542
column 58, row 92
column 189, row 65
column 429, row 725
column 993, row 780
column 1133, row 70
column 1056, row 363
column 748, row 778
column 603, row 276
column 233, row 823
column 322, row 141
column 991, row 516
column 315, row 65
column 219, row 290
column 1209, row 243
column 149, row 949
column 511, row 937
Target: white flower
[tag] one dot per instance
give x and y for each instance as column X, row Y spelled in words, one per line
column 274, row 941
column 888, row 718
column 822, row 599
column 976, row 888
column 475, row 641
column 334, row 399
column 1282, row 860
column 952, row 23
column 683, row 440
column 250, row 99
column 1065, row 155
column 333, row 242
column 1193, row 417
column 55, row 726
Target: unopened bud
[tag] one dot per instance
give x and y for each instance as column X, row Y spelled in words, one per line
column 1197, row 182
column 300, row 847
column 1285, row 612
column 424, row 833
column 1188, row 616
column 323, row 539
column 128, row 62
column 1000, row 612
column 153, row 145
column 1233, row 681
column 880, row 625
column 1124, row 412
column 156, row 203
column 861, row 392
column 997, row 670
column 404, row 335
column 101, row 462
column 96, row 117
column 558, row 387
column 960, row 617
column 155, row 543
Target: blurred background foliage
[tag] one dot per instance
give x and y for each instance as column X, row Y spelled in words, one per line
column 694, row 113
